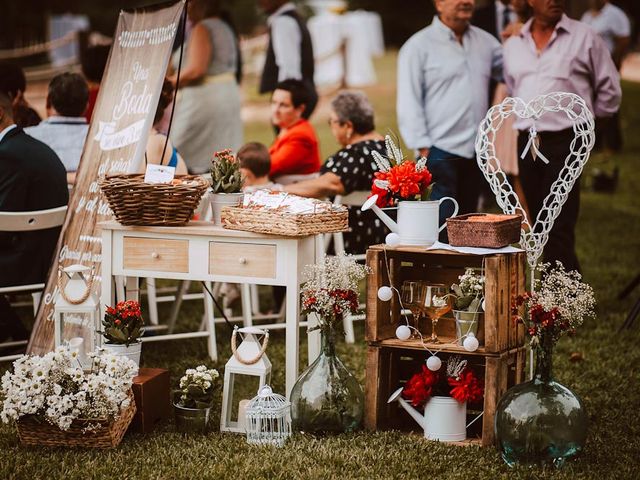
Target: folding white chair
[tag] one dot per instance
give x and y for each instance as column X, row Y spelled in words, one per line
column 25, row 222
column 354, row 199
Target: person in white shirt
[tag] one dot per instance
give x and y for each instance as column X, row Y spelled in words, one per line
column 290, row 51
column 65, row 128
column 612, row 24
column 443, row 80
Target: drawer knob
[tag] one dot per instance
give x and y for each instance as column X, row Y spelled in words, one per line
column 155, row 255
column 242, row 260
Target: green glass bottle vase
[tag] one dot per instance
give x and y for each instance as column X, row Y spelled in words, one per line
column 327, row 398
column 540, row 422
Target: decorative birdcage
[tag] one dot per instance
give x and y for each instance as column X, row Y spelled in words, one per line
column 268, row 418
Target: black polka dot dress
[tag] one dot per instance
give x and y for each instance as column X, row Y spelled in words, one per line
column 355, row 167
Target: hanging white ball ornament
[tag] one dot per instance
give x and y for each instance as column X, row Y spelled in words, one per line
column 471, row 343
column 403, row 332
column 392, row 239
column 483, row 309
column 434, row 363
column 385, row 293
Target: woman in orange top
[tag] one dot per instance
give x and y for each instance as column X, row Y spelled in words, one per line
column 294, row 152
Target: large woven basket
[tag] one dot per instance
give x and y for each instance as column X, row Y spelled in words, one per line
column 108, row 434
column 137, row 203
column 264, row 220
column 496, row 232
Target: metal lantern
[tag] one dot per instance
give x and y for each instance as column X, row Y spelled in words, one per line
column 268, row 418
column 248, row 359
column 77, row 312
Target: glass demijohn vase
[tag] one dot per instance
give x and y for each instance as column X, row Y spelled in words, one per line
column 540, row 422
column 327, row 397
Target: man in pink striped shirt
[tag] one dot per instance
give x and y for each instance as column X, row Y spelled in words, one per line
column 554, row 53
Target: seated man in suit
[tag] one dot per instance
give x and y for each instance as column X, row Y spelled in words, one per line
column 32, row 177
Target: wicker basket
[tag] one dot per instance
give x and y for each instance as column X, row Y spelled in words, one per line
column 137, row 203
column 492, row 233
column 33, row 432
column 264, row 220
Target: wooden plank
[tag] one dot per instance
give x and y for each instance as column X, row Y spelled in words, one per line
column 372, row 388
column 115, row 143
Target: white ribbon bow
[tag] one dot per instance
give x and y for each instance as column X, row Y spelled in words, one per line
column 533, row 144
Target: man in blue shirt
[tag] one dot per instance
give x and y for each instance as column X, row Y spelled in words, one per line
column 443, row 78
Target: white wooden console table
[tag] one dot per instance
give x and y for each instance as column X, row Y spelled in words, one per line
column 200, row 251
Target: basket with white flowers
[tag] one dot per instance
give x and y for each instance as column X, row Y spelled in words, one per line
column 54, row 402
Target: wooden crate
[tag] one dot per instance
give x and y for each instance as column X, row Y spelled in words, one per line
column 389, row 368
column 505, row 280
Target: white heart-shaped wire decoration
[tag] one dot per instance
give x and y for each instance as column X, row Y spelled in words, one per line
column 535, row 236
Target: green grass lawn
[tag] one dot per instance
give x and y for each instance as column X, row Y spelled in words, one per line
column 607, row 379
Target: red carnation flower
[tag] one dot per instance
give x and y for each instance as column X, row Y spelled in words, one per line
column 419, row 388
column 467, row 387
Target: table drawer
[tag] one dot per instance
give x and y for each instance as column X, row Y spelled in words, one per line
column 155, row 254
column 242, row 259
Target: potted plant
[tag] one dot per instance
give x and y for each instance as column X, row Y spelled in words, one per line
column 407, row 184
column 56, row 403
column 468, row 304
column 193, row 400
column 541, row 421
column 444, row 398
column 226, row 183
column 327, row 397
column 122, row 329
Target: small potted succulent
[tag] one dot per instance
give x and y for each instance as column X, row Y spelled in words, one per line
column 468, row 304
column 193, row 399
column 122, row 329
column 226, row 183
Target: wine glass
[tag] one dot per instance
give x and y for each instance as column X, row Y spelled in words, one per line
column 412, row 296
column 435, row 304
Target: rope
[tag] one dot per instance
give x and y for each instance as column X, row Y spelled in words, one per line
column 265, row 342
column 84, row 296
column 70, row 37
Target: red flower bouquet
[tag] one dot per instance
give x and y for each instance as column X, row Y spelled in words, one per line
column 398, row 178
column 123, row 323
column 459, row 382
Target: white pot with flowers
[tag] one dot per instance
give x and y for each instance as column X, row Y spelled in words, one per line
column 55, row 402
column 468, row 306
column 407, row 184
column 226, row 183
column 122, row 329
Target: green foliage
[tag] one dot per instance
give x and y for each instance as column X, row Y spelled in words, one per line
column 225, row 173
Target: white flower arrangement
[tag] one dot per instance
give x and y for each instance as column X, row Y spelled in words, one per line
column 55, row 388
column 196, row 387
column 469, row 291
column 331, row 288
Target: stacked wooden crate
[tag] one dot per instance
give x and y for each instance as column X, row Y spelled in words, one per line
column 500, row 359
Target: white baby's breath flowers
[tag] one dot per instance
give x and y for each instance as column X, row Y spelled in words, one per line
column 54, row 388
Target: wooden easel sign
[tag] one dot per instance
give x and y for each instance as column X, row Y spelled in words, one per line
column 115, row 143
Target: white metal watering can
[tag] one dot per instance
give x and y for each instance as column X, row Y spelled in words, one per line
column 444, row 418
column 417, row 220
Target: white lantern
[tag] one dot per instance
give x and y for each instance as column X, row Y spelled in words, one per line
column 268, row 418
column 77, row 312
column 248, row 359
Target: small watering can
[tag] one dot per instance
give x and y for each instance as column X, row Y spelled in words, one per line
column 417, row 220
column 444, row 418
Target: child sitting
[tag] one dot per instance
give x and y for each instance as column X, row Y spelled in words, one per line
column 255, row 164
